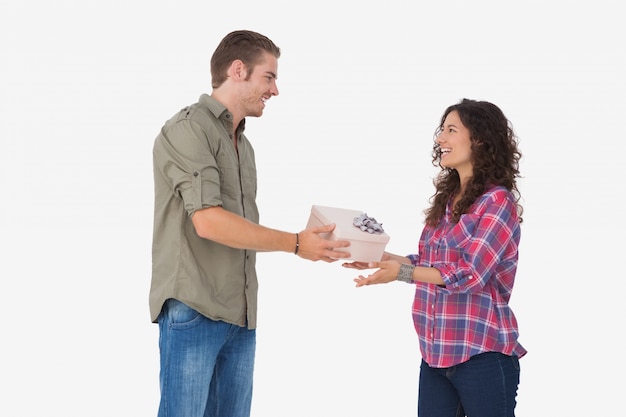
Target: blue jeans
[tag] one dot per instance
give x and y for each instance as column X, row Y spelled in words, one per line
column 484, row 386
column 206, row 365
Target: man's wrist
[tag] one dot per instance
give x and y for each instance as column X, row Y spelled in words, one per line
column 405, row 274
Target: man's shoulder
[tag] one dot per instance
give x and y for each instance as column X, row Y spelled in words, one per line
column 205, row 112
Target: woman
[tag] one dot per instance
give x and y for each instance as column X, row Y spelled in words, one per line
column 465, row 268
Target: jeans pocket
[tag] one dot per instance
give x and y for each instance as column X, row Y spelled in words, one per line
column 180, row 315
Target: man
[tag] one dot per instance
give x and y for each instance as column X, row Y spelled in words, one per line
column 206, row 235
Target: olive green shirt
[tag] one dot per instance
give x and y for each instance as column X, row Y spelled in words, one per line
column 196, row 166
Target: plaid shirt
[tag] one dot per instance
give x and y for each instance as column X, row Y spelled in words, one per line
column 477, row 258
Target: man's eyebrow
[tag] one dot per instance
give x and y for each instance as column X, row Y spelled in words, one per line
column 271, row 73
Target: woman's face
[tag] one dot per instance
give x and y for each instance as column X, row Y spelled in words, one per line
column 456, row 145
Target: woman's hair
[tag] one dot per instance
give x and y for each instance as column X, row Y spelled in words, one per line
column 245, row 45
column 495, row 159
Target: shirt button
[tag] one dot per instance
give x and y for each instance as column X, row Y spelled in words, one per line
column 470, row 277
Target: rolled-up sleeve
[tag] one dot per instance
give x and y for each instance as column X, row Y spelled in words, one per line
column 187, row 164
column 482, row 242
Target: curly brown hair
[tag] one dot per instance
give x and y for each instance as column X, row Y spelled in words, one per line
column 246, row 45
column 495, row 160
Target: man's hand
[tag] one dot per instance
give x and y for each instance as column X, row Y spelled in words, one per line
column 317, row 248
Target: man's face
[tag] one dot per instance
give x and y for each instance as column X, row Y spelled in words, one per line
column 259, row 86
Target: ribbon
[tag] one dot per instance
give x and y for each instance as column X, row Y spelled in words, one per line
column 368, row 224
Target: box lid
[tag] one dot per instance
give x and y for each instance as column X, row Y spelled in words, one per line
column 344, row 223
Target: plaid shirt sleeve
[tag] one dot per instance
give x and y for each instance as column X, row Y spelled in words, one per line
column 480, row 243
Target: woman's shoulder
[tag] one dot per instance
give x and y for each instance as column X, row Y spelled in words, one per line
column 496, row 194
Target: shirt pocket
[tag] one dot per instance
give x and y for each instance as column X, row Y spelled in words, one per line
column 461, row 234
column 229, row 175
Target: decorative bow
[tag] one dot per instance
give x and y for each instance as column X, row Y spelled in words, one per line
column 368, row 224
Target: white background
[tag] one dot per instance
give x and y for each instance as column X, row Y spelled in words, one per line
column 86, row 85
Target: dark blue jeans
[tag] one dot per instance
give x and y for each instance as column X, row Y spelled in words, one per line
column 484, row 386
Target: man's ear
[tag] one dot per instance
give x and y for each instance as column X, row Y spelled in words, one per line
column 238, row 70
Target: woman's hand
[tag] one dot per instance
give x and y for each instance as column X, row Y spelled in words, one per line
column 387, row 272
column 356, row 265
column 366, row 265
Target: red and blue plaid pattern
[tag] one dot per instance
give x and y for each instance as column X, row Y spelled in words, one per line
column 477, row 258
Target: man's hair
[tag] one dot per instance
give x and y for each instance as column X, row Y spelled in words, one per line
column 245, row 45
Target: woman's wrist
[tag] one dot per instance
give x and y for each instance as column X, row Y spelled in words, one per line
column 405, row 274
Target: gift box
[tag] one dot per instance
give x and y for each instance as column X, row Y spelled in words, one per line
column 365, row 246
